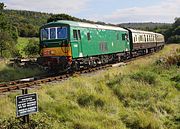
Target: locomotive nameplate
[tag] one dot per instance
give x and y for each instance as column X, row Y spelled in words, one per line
column 26, row 104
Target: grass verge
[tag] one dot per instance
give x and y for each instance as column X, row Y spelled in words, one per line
column 141, row 95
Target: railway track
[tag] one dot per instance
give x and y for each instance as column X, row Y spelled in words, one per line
column 29, row 82
column 17, row 85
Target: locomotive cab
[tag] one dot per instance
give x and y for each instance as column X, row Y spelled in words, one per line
column 55, row 48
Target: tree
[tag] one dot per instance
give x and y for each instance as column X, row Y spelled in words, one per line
column 173, row 33
column 2, row 35
column 8, row 34
column 32, row 49
column 174, row 39
column 2, row 6
column 7, row 44
column 177, row 22
column 57, row 17
column 2, row 42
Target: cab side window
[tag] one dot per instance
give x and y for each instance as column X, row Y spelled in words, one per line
column 75, row 34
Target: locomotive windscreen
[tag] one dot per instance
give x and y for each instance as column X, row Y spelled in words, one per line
column 54, row 33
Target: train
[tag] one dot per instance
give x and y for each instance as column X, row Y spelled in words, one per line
column 70, row 45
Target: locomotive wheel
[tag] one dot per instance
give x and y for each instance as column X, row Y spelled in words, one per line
column 75, row 66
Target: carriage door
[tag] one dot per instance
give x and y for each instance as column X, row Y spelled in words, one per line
column 80, row 43
column 77, row 46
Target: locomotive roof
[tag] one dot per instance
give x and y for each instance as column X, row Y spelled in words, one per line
column 89, row 25
column 141, row 31
column 144, row 32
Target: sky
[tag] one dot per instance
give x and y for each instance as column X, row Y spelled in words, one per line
column 109, row 11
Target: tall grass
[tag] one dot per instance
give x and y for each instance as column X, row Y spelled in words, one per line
column 9, row 73
column 141, row 95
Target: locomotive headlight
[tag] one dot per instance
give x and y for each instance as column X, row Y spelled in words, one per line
column 52, row 52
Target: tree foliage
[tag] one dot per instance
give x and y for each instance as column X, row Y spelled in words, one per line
column 2, row 6
column 62, row 17
column 32, row 48
column 170, row 31
column 57, row 17
column 27, row 22
column 8, row 35
column 173, row 33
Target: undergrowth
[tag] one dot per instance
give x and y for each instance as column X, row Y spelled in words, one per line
column 10, row 73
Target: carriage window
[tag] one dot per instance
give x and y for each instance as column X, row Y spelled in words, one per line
column 52, row 33
column 140, row 38
column 62, row 33
column 44, row 34
column 75, row 35
column 88, row 36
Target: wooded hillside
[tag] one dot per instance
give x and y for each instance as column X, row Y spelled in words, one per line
column 26, row 22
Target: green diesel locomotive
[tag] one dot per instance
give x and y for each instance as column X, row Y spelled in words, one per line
column 69, row 45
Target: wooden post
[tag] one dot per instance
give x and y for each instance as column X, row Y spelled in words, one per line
column 26, row 117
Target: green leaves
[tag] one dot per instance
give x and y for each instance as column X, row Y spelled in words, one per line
column 8, row 35
column 2, row 6
column 32, row 48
